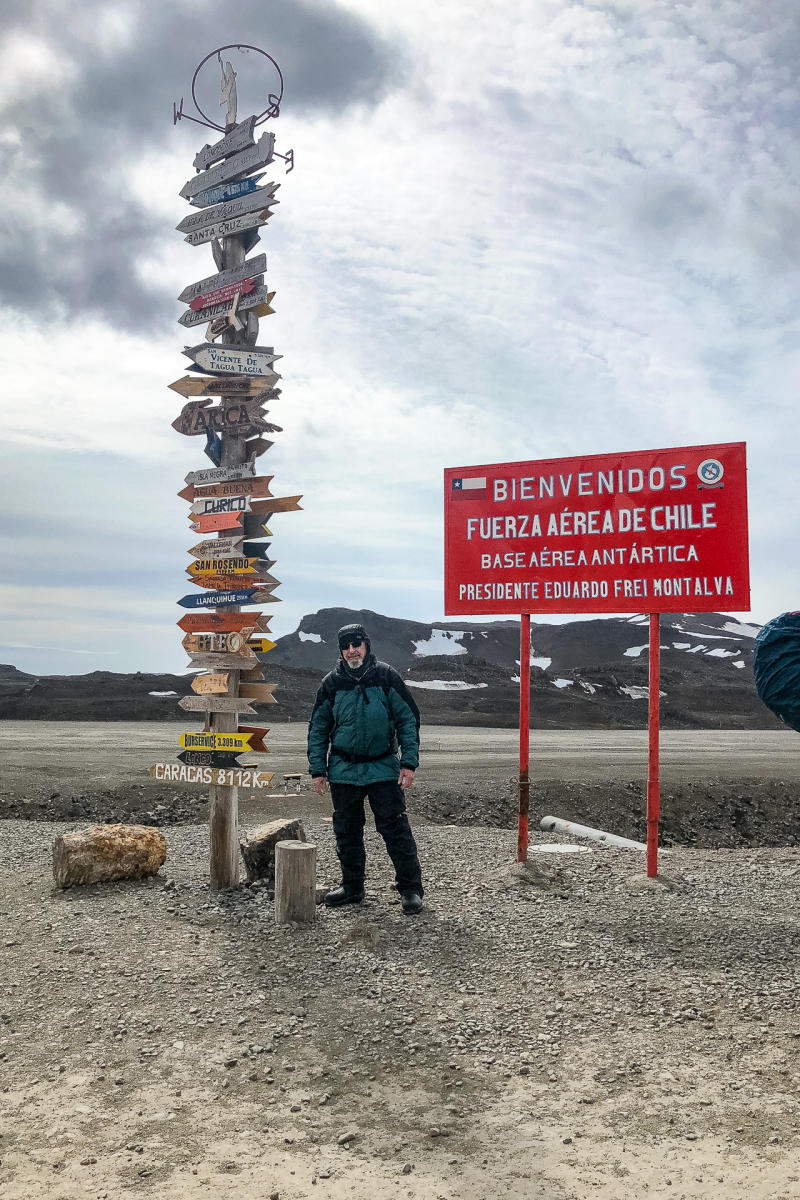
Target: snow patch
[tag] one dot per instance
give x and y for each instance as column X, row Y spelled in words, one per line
column 638, row 620
column 635, row 651
column 710, row 637
column 308, row 637
column 544, row 663
column 162, row 693
column 738, row 664
column 697, row 649
column 718, row 652
column 749, row 631
column 638, row 693
column 562, row 683
column 681, row 645
column 445, row 685
column 588, row 687
column 441, row 641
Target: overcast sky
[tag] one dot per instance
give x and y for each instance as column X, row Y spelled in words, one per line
column 515, row 230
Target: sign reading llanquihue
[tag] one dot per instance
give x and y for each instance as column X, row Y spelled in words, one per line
column 647, row 531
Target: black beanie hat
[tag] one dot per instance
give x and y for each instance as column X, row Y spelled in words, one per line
column 352, row 633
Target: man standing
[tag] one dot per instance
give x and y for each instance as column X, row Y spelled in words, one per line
column 363, row 738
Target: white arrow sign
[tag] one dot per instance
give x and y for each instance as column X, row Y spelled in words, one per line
column 239, row 138
column 237, row 360
column 238, row 164
column 225, row 228
column 258, row 199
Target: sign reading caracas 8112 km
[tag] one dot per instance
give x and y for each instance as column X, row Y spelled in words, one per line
column 646, row 531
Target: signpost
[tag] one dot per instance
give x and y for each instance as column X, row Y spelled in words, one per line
column 247, row 777
column 229, row 208
column 227, row 622
column 249, row 203
column 248, row 269
column 646, row 531
column 241, row 360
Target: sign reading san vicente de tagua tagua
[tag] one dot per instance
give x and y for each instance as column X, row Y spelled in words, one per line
column 645, row 531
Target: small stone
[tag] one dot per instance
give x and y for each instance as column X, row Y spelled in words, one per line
column 344, row 1138
column 407, row 1169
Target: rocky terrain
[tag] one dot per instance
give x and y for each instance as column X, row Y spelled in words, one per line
column 586, row 674
column 561, row 1031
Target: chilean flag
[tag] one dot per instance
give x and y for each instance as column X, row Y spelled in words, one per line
column 468, row 489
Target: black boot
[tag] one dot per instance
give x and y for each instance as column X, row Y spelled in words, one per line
column 412, row 903
column 343, row 895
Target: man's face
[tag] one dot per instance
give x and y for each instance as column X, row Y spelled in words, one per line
column 354, row 654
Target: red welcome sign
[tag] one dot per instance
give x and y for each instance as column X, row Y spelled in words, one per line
column 648, row 531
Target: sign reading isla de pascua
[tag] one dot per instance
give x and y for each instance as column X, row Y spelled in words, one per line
column 642, row 531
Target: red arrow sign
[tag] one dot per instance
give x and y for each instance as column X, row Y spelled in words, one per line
column 211, row 521
column 257, row 735
column 222, row 294
column 216, row 622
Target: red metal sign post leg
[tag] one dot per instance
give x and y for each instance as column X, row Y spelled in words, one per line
column 524, row 734
column 653, row 796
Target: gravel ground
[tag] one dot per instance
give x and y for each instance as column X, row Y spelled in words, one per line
column 563, row 1031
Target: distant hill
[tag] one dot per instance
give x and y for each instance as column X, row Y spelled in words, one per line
column 585, row 674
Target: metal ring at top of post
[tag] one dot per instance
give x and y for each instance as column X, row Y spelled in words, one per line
column 273, row 109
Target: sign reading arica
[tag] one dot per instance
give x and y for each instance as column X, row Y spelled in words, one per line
column 647, row 531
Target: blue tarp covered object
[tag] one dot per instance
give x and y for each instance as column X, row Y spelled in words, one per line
column 776, row 666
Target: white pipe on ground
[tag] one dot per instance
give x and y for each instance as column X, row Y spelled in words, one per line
column 555, row 824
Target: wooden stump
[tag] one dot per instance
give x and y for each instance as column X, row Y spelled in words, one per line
column 258, row 849
column 103, row 853
column 295, row 882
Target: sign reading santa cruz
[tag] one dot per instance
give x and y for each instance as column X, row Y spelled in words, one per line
column 647, row 531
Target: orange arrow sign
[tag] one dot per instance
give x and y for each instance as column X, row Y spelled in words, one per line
column 209, row 522
column 216, row 622
column 224, row 385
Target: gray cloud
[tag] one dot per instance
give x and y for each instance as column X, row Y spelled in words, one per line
column 77, row 234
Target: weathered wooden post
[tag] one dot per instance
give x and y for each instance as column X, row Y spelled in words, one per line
column 229, row 502
column 295, row 882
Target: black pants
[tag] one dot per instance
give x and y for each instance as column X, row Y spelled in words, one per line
column 388, row 805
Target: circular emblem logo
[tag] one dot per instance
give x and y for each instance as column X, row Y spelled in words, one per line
column 710, row 471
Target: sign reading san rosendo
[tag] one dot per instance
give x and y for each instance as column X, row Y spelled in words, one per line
column 647, row 531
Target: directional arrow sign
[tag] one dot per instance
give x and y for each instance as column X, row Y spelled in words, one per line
column 224, row 566
column 220, row 704
column 228, row 583
column 254, row 675
column 247, row 270
column 251, row 159
column 246, row 777
column 256, row 486
column 259, row 693
column 238, row 360
column 217, row 683
column 255, row 735
column 239, row 138
column 260, row 645
column 220, row 474
column 236, row 742
column 226, row 547
column 219, row 662
column 236, row 416
column 223, row 295
column 214, row 505
column 226, row 385
column 222, row 759
column 232, row 225
column 255, row 300
column 214, row 521
column 213, row 622
column 249, row 203
column 231, row 643
column 220, row 599
column 226, row 191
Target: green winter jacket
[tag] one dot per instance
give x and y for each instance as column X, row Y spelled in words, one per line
column 364, row 726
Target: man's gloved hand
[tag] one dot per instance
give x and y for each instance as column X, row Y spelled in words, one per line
column 405, row 778
column 320, row 784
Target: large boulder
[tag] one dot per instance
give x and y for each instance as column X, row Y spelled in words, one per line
column 258, row 849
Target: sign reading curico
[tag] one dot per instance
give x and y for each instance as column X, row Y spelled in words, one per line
column 648, row 531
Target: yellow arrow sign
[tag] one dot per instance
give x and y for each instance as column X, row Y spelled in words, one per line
column 223, row 566
column 260, row 645
column 215, row 741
